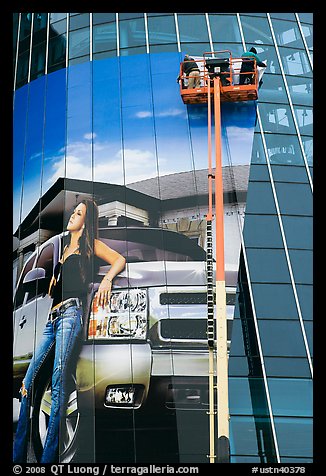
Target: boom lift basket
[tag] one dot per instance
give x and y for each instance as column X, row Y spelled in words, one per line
column 235, row 84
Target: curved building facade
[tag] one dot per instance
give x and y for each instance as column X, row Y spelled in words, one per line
column 98, row 113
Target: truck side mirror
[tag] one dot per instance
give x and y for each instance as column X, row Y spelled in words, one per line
column 35, row 277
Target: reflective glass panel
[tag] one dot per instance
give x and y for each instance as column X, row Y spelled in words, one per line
column 57, row 16
column 272, row 89
column 258, row 153
column 283, row 149
column 79, row 43
column 274, row 301
column 294, row 198
column 287, row 33
column 161, row 30
column 301, row 90
column 192, row 28
column 308, row 34
column 260, row 198
column 305, row 295
column 256, row 30
column 22, row 69
column 104, row 37
column 277, row 118
column 304, row 116
column 38, row 61
column 258, row 173
column 103, row 18
column 224, row 28
column 295, row 62
column 58, row 28
column 262, row 231
column 57, row 53
column 79, row 21
column 308, row 148
column 301, row 261
column 243, row 435
column 306, row 17
column 294, row 436
column 281, row 338
column 291, row 397
column 287, row 367
column 268, row 266
column 298, row 231
column 247, row 396
column 132, row 33
column 289, row 173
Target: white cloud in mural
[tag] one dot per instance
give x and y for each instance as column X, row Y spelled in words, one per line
column 172, row 112
column 102, row 164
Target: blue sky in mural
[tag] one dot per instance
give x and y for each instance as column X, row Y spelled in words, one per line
column 125, row 122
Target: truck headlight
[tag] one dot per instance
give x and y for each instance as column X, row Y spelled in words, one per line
column 124, row 317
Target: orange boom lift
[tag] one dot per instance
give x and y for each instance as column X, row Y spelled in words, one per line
column 220, row 75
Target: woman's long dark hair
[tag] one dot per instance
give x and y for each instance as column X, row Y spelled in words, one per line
column 86, row 241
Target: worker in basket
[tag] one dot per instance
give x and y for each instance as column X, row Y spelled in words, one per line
column 247, row 75
column 189, row 70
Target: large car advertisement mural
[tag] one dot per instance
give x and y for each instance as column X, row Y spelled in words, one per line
column 110, row 356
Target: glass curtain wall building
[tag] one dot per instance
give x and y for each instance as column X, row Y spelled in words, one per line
column 270, row 360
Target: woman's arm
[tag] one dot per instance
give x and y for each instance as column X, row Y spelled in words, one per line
column 117, row 262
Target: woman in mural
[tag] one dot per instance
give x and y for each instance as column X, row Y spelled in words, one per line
column 68, row 288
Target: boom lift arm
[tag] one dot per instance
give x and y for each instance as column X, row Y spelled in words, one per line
column 219, row 81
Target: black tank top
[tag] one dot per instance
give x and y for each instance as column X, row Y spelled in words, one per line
column 69, row 282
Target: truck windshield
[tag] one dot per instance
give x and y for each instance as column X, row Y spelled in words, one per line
column 151, row 244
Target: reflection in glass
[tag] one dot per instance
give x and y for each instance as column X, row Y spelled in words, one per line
column 161, row 30
column 79, row 43
column 304, row 116
column 301, row 90
column 224, row 28
column 22, row 69
column 77, row 163
column 256, row 30
column 287, row 33
column 132, row 34
column 273, row 89
column 276, row 118
column 57, row 53
column 295, row 62
column 105, row 38
column 284, row 149
column 194, row 30
column 247, row 396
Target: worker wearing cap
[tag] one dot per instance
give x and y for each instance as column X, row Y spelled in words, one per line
column 248, row 66
column 191, row 71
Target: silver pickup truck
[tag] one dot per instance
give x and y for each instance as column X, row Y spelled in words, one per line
column 143, row 358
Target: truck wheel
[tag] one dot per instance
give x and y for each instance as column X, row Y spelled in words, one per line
column 40, row 420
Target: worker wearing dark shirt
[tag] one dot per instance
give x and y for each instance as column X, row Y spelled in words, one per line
column 191, row 71
column 247, row 67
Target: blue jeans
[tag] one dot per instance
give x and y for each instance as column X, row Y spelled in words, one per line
column 62, row 335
